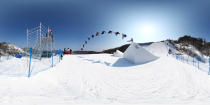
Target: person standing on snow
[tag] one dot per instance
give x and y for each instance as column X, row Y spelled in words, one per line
column 169, row 51
column 70, row 51
column 61, row 54
column 64, row 51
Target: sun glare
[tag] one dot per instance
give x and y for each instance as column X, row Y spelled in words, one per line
column 147, row 30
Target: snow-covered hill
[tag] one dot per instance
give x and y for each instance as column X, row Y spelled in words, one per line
column 8, row 48
column 106, row 79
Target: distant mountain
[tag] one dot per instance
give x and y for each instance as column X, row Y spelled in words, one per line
column 86, row 52
column 192, row 46
column 110, row 51
column 123, row 48
column 189, row 45
column 206, row 49
column 195, row 47
column 8, row 48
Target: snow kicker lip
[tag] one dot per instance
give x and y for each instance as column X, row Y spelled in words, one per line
column 138, row 55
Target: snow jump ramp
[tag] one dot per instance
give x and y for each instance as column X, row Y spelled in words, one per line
column 138, row 55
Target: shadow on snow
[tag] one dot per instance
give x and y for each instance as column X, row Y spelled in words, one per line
column 121, row 62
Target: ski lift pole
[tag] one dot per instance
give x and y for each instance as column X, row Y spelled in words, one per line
column 29, row 71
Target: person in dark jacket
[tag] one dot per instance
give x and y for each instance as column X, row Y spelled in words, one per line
column 169, row 51
column 61, row 54
column 64, row 51
column 70, row 51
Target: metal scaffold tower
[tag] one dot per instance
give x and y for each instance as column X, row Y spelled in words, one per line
column 40, row 41
column 39, row 45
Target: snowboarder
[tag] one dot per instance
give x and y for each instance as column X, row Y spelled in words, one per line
column 110, row 31
column 92, row 36
column 130, row 40
column 123, row 36
column 97, row 33
column 103, row 32
column 116, row 33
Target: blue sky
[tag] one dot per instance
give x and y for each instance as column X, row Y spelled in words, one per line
column 73, row 21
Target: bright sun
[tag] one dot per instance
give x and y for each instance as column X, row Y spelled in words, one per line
column 147, row 30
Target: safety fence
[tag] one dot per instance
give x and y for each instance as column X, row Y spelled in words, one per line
column 200, row 63
column 38, row 65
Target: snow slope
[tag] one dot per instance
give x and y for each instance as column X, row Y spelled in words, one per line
column 7, row 48
column 14, row 47
column 104, row 79
column 94, row 79
column 158, row 49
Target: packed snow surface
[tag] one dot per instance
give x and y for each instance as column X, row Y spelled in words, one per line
column 15, row 67
column 105, row 79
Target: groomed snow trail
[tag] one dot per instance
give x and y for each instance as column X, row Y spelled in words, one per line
column 106, row 79
column 165, row 80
